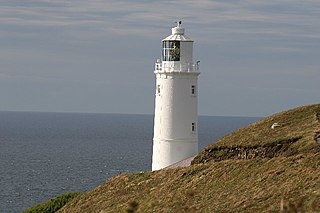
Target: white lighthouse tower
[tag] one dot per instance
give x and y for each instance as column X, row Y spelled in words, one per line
column 176, row 111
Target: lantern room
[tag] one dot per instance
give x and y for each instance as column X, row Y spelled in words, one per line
column 177, row 51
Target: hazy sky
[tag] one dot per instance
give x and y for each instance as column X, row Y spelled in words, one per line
column 257, row 57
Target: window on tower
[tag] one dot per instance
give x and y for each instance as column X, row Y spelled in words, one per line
column 158, row 89
column 193, row 127
column 171, row 51
column 193, row 89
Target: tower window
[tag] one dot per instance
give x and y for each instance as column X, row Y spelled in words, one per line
column 171, row 51
column 193, row 89
column 158, row 89
column 193, row 127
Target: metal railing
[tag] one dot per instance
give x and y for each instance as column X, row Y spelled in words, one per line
column 188, row 68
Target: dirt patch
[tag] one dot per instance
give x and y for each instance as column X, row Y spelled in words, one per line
column 274, row 149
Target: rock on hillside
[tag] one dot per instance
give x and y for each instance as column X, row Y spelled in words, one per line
column 253, row 169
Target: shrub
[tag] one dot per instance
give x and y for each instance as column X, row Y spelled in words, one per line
column 54, row 204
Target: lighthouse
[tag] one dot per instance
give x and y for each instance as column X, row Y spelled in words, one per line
column 176, row 101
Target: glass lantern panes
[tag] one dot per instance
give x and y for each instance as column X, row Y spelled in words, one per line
column 171, row 51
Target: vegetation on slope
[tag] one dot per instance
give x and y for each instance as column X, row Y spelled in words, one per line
column 298, row 133
column 53, row 205
column 253, row 169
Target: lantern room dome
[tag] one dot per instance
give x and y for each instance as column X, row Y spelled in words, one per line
column 177, row 34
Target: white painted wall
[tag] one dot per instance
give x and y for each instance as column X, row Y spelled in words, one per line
column 176, row 110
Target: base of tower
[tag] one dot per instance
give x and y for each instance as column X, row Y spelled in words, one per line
column 167, row 153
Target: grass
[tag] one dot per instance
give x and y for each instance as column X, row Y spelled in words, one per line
column 298, row 129
column 254, row 169
column 227, row 186
column 54, row 204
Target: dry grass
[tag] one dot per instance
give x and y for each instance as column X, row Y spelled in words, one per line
column 301, row 123
column 262, row 184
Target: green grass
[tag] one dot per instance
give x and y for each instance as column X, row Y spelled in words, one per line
column 254, row 169
column 54, row 204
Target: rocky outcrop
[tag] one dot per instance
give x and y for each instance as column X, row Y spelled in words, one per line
column 274, row 149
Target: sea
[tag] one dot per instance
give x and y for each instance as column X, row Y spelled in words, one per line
column 43, row 155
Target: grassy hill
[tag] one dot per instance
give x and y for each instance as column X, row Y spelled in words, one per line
column 253, row 169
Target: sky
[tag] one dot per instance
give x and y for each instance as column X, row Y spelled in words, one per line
column 257, row 57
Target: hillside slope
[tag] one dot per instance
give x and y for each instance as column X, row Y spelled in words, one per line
column 253, row 169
